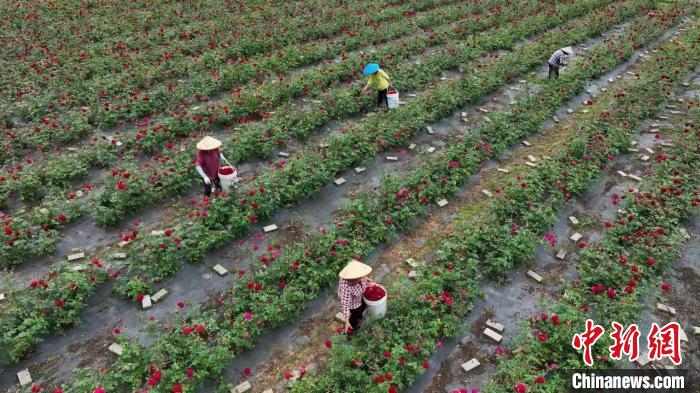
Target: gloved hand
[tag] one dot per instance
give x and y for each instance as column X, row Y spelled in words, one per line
column 207, row 181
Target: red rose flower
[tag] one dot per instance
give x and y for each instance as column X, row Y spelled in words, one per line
column 59, row 303
column 539, row 379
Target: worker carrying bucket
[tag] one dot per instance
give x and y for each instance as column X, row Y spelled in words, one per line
column 208, row 160
column 354, row 287
column 379, row 79
column 557, row 60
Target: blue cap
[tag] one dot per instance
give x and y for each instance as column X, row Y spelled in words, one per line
column 371, row 68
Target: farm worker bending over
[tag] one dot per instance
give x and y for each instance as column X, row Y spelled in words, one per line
column 380, row 80
column 207, row 161
column 351, row 287
column 557, row 60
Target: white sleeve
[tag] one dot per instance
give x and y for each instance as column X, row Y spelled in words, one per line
column 221, row 155
column 201, row 172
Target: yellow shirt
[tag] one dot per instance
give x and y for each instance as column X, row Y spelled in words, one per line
column 379, row 79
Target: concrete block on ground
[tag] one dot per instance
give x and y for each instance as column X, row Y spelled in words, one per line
column 534, row 276
column 159, row 295
column 576, row 237
column 665, row 308
column 268, row 391
column 442, row 202
column 633, row 177
column 2, row 296
column 684, row 232
column 648, row 150
column 242, row 388
column 682, row 335
column 487, row 119
column 632, row 150
column 412, row 274
column 146, row 302
column 570, row 111
column 470, row 365
column 531, row 164
column 339, row 317
column 323, row 145
column 573, row 220
column 220, row 270
column 503, row 170
column 526, row 143
column 77, row 268
column 411, row 146
column 645, row 158
column 621, row 173
column 339, row 182
column 484, row 110
column 532, row 158
column 269, row 228
column 119, row 255
column 561, row 254
column 429, row 129
column 123, row 243
column 556, row 119
column 493, row 335
column 411, row 262
column 158, row 233
column 431, row 149
column 495, row 325
column 465, row 114
column 116, row 349
column 283, row 154
column 75, row 257
column 24, row 377
column 487, row 193
column 360, row 169
column 392, row 158
column 696, row 330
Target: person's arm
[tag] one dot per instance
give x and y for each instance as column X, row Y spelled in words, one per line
column 221, row 156
column 364, row 89
column 204, row 176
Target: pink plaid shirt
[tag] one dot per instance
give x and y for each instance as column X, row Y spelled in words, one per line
column 350, row 295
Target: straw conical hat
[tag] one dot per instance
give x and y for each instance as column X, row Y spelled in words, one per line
column 208, row 143
column 354, row 270
column 568, row 50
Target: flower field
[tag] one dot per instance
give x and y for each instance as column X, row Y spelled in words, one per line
column 493, row 198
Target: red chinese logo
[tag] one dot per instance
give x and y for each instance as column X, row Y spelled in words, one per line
column 665, row 342
column 662, row 341
column 626, row 342
column 587, row 339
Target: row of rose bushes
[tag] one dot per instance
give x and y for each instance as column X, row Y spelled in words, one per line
column 618, row 272
column 184, row 123
column 105, row 110
column 279, row 289
column 135, row 191
column 215, row 222
column 110, row 204
column 187, row 48
column 400, row 344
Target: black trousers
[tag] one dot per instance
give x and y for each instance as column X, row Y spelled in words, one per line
column 356, row 316
column 215, row 183
column 553, row 70
column 381, row 97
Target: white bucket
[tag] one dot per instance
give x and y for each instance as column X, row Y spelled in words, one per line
column 377, row 308
column 392, row 97
column 227, row 181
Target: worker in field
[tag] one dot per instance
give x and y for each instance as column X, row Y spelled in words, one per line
column 378, row 79
column 557, row 60
column 351, row 287
column 208, row 161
